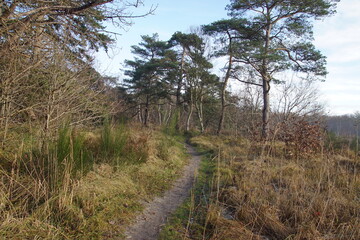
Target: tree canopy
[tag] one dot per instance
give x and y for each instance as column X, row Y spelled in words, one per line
column 78, row 25
column 280, row 39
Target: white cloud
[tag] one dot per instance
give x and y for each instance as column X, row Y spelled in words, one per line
column 338, row 37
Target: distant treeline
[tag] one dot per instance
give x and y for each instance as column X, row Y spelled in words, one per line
column 344, row 125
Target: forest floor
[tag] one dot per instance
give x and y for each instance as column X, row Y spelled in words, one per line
column 148, row 224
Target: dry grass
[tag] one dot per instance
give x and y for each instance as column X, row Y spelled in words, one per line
column 96, row 206
column 279, row 198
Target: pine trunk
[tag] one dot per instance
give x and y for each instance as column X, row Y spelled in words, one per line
column 223, row 90
column 266, row 85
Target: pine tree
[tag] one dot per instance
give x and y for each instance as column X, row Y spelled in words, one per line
column 281, row 39
column 148, row 83
column 226, row 33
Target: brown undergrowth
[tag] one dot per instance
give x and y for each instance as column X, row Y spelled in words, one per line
column 277, row 197
column 85, row 185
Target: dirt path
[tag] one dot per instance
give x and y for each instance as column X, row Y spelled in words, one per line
column 147, row 225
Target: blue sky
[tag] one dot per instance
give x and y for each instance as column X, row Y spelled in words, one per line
column 338, row 38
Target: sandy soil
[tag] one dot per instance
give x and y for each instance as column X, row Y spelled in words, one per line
column 148, row 225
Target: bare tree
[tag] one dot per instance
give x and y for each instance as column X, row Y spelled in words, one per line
column 44, row 47
column 296, row 98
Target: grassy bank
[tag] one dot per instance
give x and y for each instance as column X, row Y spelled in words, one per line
column 84, row 185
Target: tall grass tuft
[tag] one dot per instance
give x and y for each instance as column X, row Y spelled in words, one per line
column 63, row 144
column 113, row 141
column 121, row 137
column 107, row 140
column 170, row 128
column 71, row 149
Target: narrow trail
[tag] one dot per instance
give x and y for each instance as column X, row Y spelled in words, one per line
column 148, row 225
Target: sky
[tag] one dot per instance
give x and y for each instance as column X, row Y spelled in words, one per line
column 337, row 37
